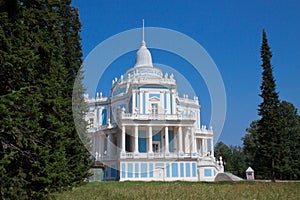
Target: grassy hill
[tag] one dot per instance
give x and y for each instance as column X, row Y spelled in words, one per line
column 184, row 190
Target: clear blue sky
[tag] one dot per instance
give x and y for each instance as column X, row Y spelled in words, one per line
column 229, row 31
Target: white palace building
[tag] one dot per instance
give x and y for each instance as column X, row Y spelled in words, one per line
column 144, row 131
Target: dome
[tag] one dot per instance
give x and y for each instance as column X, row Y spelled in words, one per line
column 143, row 57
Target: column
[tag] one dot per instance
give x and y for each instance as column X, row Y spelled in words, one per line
column 141, row 102
column 166, row 139
column 95, row 117
column 100, row 116
column 198, row 116
column 168, row 102
column 174, row 103
column 109, row 145
column 192, row 141
column 147, row 106
column 161, row 109
column 186, row 142
column 150, row 150
column 123, row 139
column 206, row 145
column 202, row 146
column 136, row 139
column 180, row 140
column 212, row 147
column 133, row 101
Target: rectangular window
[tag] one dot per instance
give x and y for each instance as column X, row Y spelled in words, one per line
column 188, row 169
column 104, row 114
column 174, row 169
column 154, row 108
column 207, row 172
column 136, row 174
column 144, row 103
column 123, row 170
column 144, row 170
column 130, row 170
column 168, row 169
column 181, row 169
column 151, row 170
column 194, row 169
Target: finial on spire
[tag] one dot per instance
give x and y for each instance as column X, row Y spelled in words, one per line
column 143, row 36
column 143, row 30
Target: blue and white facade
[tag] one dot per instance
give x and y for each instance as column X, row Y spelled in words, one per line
column 144, row 131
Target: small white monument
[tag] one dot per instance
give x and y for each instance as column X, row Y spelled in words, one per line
column 250, row 174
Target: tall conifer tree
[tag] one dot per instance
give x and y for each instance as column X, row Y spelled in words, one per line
column 40, row 57
column 268, row 141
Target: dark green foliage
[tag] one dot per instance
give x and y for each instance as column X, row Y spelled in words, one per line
column 233, row 158
column 290, row 134
column 249, row 141
column 272, row 146
column 40, row 55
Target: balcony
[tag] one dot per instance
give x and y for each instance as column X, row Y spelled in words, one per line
column 158, row 155
column 130, row 116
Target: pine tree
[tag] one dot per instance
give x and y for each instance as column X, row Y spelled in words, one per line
column 267, row 159
column 40, row 56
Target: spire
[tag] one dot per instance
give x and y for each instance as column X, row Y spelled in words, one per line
column 143, row 55
column 143, row 40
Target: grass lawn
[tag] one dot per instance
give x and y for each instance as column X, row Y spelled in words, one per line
column 184, row 190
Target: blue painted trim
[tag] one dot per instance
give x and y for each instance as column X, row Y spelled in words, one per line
column 165, row 101
column 168, row 169
column 154, row 95
column 174, row 169
column 187, row 170
column 171, row 141
column 207, row 172
column 123, row 170
column 104, row 115
column 136, row 174
column 130, row 170
column 151, row 170
column 181, row 169
column 171, row 104
column 144, row 171
column 194, row 170
column 142, row 141
column 159, row 165
column 144, row 103
column 100, row 104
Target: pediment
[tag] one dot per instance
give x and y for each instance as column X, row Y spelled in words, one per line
column 154, row 99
